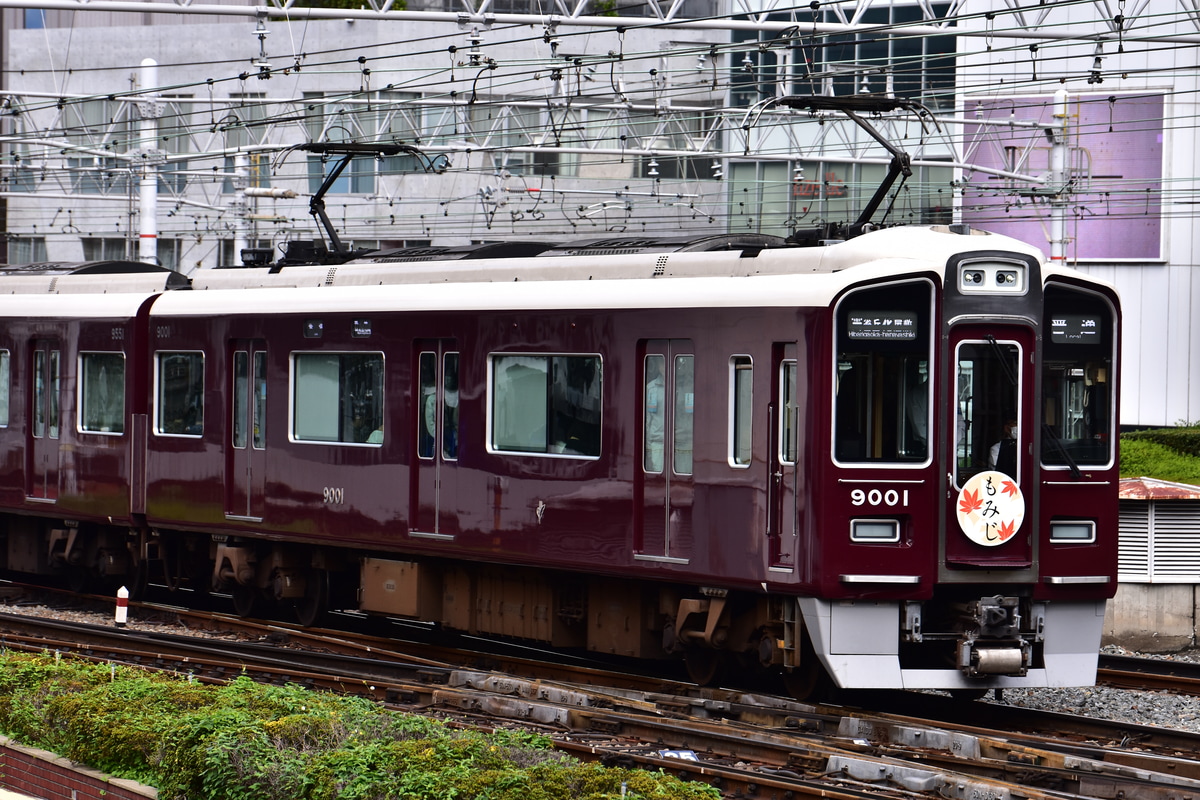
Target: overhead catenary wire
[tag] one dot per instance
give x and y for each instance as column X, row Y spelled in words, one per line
column 515, row 75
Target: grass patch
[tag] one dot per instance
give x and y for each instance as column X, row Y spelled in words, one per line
column 249, row 741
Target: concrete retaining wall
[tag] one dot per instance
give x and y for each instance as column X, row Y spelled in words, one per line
column 1153, row 617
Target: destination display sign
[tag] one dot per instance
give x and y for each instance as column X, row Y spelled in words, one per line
column 1075, row 328
column 892, row 325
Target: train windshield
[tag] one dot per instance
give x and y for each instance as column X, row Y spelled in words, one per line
column 1077, row 379
column 881, row 384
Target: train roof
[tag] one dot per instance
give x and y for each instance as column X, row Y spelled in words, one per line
column 778, row 282
column 740, row 255
column 606, row 246
column 88, row 277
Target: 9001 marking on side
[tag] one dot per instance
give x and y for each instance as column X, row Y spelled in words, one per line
column 879, row 497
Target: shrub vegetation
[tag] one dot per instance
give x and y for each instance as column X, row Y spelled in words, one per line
column 249, row 741
column 1169, row 454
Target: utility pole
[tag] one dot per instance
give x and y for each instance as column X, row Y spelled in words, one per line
column 1059, row 177
column 149, row 110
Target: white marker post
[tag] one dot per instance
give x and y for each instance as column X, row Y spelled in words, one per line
column 122, row 606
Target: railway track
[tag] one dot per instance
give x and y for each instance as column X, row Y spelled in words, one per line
column 1130, row 672
column 750, row 745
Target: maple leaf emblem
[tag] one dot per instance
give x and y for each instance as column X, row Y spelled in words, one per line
column 1007, row 529
column 1010, row 488
column 969, row 502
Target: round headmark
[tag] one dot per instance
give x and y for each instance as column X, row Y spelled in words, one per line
column 990, row 508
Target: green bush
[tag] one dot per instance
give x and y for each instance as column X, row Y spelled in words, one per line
column 1184, row 439
column 248, row 741
column 1142, row 457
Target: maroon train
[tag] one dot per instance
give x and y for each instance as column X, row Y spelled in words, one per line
column 891, row 459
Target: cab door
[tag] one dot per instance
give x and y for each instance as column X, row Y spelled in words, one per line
column 663, row 484
column 435, row 423
column 991, row 476
column 784, row 419
column 41, row 469
column 246, row 456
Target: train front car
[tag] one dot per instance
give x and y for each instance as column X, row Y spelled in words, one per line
column 966, row 537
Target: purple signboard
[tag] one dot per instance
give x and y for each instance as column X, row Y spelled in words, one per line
column 1115, row 158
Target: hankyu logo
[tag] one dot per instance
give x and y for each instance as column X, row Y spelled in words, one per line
column 990, row 508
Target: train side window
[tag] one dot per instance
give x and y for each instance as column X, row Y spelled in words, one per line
column 259, row 420
column 653, row 413
column 546, row 404
column 241, row 374
column 5, row 386
column 787, row 422
column 45, row 393
column 39, row 394
column 881, row 380
column 428, row 411
column 337, row 398
column 741, row 397
column 450, row 406
column 102, row 392
column 179, row 378
column 55, row 379
column 682, row 432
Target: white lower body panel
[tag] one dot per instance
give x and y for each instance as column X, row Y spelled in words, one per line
column 858, row 643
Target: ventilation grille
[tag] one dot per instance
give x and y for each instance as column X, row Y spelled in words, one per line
column 1159, row 542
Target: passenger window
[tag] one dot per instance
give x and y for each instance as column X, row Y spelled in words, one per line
column 450, row 406
column 5, row 384
column 337, row 397
column 653, row 413
column 240, row 417
column 881, row 377
column 102, row 392
column 684, row 421
column 259, row 424
column 249, row 412
column 53, row 383
column 546, row 404
column 741, row 391
column 428, row 409
column 787, row 422
column 180, row 381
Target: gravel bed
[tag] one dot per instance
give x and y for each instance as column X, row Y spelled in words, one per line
column 1162, row 709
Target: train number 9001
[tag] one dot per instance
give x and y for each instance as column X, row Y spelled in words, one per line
column 879, row 497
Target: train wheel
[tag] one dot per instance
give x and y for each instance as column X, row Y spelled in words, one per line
column 137, row 578
column 245, row 600
column 806, row 682
column 809, row 681
column 705, row 666
column 311, row 608
column 79, row 579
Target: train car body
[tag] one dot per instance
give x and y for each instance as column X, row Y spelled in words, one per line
column 892, row 459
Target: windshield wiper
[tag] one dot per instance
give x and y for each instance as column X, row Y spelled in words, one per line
column 1048, row 432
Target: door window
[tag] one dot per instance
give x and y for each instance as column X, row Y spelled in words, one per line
column 986, row 409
